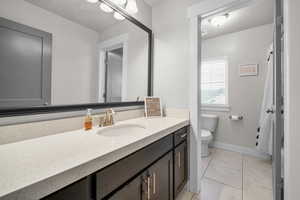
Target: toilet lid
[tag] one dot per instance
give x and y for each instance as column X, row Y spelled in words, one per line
column 205, row 134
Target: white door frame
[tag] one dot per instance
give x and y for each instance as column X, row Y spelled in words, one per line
column 195, row 13
column 110, row 44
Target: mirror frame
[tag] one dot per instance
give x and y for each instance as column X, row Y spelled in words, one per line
column 9, row 112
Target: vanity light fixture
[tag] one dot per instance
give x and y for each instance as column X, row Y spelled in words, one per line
column 131, row 6
column 92, row 1
column 219, row 20
column 118, row 16
column 119, row 2
column 106, row 8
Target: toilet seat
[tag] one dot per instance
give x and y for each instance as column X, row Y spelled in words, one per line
column 206, row 135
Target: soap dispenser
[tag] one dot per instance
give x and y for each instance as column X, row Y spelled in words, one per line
column 88, row 121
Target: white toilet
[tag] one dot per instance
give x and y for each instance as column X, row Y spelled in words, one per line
column 209, row 126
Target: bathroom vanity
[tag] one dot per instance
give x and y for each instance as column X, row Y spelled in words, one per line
column 148, row 162
column 154, row 172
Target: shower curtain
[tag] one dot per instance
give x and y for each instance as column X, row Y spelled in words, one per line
column 265, row 130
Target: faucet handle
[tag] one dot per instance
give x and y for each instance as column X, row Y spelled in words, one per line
column 113, row 113
column 102, row 120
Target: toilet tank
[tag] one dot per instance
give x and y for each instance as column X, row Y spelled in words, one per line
column 209, row 122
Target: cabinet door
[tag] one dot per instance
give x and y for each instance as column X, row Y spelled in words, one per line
column 180, row 167
column 132, row 191
column 161, row 178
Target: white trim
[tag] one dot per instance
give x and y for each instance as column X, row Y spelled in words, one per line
column 241, row 149
column 194, row 105
column 113, row 43
column 216, row 108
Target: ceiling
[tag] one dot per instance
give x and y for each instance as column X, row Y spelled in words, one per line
column 151, row 2
column 256, row 14
column 79, row 11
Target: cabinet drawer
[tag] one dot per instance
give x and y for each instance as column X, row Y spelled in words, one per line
column 79, row 190
column 180, row 135
column 113, row 176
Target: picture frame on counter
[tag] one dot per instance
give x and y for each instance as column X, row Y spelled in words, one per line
column 153, row 107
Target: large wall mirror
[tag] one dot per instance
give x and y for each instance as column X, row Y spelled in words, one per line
column 65, row 55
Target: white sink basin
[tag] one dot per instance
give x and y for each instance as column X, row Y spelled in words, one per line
column 121, row 130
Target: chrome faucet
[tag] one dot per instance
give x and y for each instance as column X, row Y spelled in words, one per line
column 108, row 119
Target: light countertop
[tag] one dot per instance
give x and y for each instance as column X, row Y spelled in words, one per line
column 34, row 168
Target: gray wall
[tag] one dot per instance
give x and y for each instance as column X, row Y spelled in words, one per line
column 74, row 51
column 245, row 93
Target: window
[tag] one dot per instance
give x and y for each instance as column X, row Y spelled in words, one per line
column 214, row 82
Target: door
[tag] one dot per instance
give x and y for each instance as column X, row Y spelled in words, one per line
column 180, row 167
column 278, row 103
column 25, row 65
column 113, row 75
column 161, row 179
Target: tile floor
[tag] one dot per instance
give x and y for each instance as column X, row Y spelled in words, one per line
column 229, row 175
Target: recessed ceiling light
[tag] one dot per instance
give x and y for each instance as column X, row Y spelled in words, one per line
column 118, row 16
column 92, row 1
column 219, row 20
column 106, row 8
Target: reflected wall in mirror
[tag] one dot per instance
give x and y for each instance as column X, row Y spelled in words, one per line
column 55, row 52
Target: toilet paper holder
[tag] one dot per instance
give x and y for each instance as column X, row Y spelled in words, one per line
column 236, row 117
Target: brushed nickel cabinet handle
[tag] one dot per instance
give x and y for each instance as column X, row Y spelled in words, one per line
column 148, row 187
column 179, row 161
column 183, row 136
column 154, row 183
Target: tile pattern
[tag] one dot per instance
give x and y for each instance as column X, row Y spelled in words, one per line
column 232, row 176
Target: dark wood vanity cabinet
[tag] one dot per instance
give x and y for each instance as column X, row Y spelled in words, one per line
column 111, row 178
column 180, row 167
column 161, row 178
column 158, row 171
column 154, row 183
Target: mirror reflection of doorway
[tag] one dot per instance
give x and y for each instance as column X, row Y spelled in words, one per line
column 113, row 75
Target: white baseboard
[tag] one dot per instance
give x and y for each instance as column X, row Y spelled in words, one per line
column 240, row 149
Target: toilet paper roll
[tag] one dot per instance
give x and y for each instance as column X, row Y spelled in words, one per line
column 235, row 117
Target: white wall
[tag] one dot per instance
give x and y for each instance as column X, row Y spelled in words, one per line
column 245, row 93
column 74, row 51
column 137, row 68
column 171, row 59
column 292, row 99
